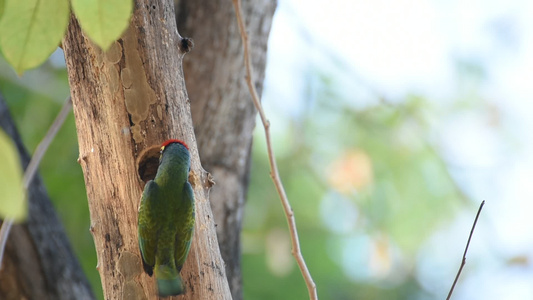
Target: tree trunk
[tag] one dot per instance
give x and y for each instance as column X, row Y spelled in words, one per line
column 126, row 101
column 222, row 111
column 39, row 262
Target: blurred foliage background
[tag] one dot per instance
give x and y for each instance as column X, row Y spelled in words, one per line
column 391, row 123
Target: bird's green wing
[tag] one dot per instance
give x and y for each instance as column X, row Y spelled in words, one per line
column 147, row 227
column 187, row 229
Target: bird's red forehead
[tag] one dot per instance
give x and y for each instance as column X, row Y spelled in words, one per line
column 168, row 142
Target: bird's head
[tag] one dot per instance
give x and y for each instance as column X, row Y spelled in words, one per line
column 175, row 157
column 173, row 141
column 175, row 150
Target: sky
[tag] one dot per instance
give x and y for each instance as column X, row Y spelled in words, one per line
column 413, row 46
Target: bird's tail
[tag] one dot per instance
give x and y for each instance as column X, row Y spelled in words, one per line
column 169, row 281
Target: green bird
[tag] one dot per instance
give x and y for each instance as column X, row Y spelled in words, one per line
column 166, row 219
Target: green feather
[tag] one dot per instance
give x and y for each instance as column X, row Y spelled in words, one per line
column 169, row 282
column 166, row 220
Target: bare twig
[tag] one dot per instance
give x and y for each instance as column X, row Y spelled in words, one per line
column 4, row 233
column 289, row 214
column 463, row 262
column 45, row 143
column 33, row 165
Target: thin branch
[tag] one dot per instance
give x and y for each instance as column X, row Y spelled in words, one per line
column 289, row 214
column 463, row 262
column 4, row 233
column 45, row 143
column 33, row 165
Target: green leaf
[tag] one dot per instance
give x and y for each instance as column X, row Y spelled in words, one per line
column 103, row 21
column 2, row 6
column 31, row 30
column 12, row 196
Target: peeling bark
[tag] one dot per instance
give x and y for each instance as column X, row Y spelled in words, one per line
column 126, row 101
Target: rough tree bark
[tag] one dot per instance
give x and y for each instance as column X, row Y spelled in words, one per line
column 125, row 101
column 222, row 111
column 39, row 262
